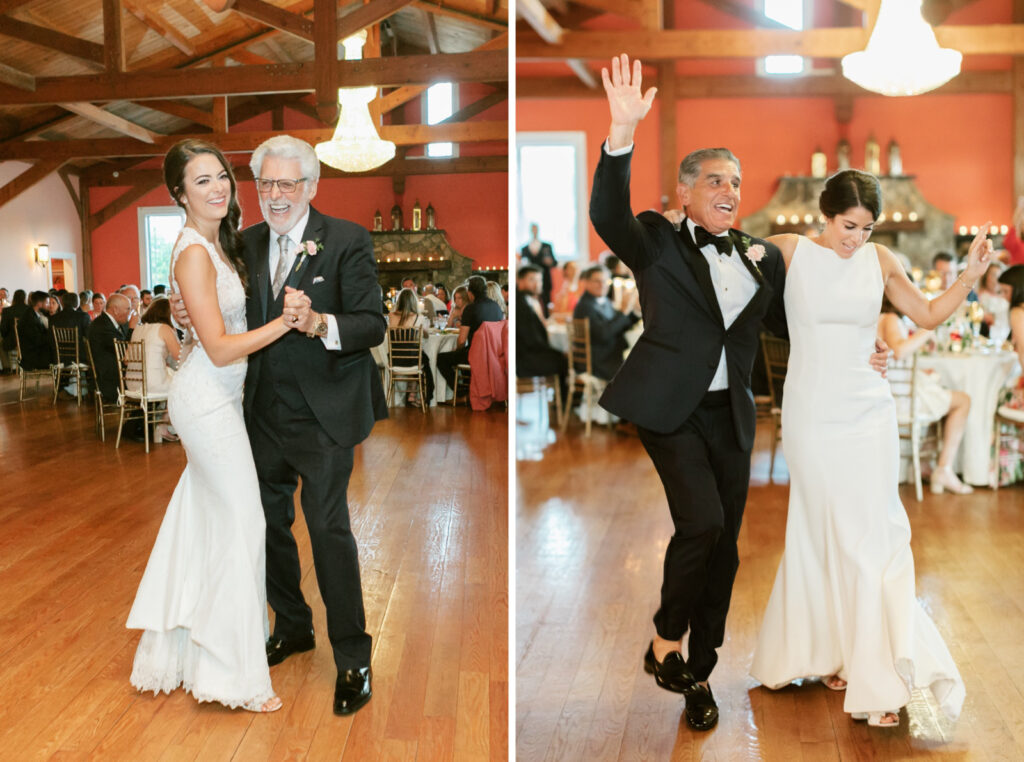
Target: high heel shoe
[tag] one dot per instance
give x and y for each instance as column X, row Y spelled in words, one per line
column 164, row 433
column 945, row 479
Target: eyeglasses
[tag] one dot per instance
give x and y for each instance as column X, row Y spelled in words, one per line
column 285, row 186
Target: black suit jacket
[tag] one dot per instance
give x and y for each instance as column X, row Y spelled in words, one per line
column 531, row 334
column 607, row 326
column 37, row 350
column 669, row 370
column 342, row 388
column 7, row 318
column 102, row 333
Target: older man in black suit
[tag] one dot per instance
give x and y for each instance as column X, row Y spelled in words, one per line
column 111, row 324
column 608, row 325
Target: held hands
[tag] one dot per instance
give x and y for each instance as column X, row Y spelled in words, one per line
column 625, row 101
column 178, row 311
column 880, row 359
column 979, row 256
column 298, row 312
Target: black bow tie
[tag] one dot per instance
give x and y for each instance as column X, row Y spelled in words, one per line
column 703, row 237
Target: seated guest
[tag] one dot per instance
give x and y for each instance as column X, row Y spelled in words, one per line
column 1012, row 282
column 607, row 325
column 99, row 303
column 569, row 291
column 429, row 297
column 495, row 294
column 73, row 317
column 934, row 401
column 85, row 301
column 991, row 299
column 17, row 308
column 50, row 308
column 944, row 264
column 460, row 298
column 146, row 299
column 480, row 309
column 441, row 292
column 162, row 351
column 36, row 345
column 410, row 284
column 111, row 324
column 159, row 290
column 534, row 354
column 407, row 315
column 135, row 297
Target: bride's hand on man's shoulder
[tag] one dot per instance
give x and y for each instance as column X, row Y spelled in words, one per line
column 675, row 216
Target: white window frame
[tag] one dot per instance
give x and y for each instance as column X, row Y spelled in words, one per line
column 145, row 276
column 808, row 9
column 424, row 118
column 578, row 140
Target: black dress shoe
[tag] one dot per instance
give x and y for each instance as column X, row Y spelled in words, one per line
column 279, row 649
column 671, row 673
column 352, row 690
column 701, row 710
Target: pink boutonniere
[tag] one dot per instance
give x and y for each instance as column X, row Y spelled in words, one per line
column 755, row 253
column 307, row 249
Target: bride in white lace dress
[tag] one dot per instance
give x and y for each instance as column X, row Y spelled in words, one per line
column 202, row 599
column 843, row 606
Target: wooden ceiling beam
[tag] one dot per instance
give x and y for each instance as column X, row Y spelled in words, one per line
column 581, row 70
column 64, row 177
column 16, row 78
column 490, row 22
column 44, row 119
column 431, row 28
column 629, row 8
column 145, row 14
column 114, row 122
column 240, row 142
column 543, row 23
column 749, row 86
column 998, row 39
column 477, row 107
column 368, row 15
column 273, row 16
column 180, row 110
column 477, row 66
column 49, row 38
column 325, row 56
column 243, row 56
column 745, row 13
column 113, row 42
column 28, row 178
column 97, row 177
column 120, row 203
column 6, row 6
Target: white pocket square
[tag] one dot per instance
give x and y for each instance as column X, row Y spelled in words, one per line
column 318, row 279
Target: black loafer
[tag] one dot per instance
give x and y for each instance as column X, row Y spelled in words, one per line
column 279, row 649
column 352, row 690
column 671, row 673
column 701, row 710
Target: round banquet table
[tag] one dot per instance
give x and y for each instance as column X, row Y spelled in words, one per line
column 981, row 374
column 434, row 342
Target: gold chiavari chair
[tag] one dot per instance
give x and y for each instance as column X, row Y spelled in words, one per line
column 134, row 394
column 405, row 361
column 25, row 375
column 69, row 365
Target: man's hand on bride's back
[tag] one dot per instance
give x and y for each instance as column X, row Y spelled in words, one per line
column 178, row 311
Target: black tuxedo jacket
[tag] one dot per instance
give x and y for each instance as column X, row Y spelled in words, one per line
column 531, row 335
column 102, row 333
column 7, row 318
column 37, row 349
column 670, row 368
column 607, row 326
column 342, row 388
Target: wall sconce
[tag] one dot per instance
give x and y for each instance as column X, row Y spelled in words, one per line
column 42, row 255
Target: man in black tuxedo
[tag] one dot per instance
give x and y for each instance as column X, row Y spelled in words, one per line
column 309, row 400
column 534, row 354
column 608, row 325
column 540, row 254
column 686, row 383
column 111, row 324
column 37, row 350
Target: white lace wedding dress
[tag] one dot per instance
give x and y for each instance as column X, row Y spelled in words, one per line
column 844, row 600
column 202, row 599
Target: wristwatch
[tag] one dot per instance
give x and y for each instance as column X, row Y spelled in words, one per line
column 319, row 327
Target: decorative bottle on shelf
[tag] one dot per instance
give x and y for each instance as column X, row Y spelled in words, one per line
column 843, row 154
column 872, row 156
column 431, row 217
column 378, row 222
column 417, row 216
column 895, row 161
column 819, row 163
column 396, row 217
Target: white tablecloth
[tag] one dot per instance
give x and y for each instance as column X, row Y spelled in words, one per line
column 981, row 375
column 434, row 342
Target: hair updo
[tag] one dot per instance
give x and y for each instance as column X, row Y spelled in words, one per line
column 230, row 238
column 850, row 189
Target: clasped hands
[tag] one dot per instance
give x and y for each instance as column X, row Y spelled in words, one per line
column 297, row 313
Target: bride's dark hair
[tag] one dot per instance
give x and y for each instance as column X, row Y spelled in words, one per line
column 848, row 190
column 174, row 177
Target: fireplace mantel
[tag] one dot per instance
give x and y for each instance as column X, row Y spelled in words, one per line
column 423, row 255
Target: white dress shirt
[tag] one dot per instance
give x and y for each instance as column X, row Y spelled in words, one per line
column 333, row 339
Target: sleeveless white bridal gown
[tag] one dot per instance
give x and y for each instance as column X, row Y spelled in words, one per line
column 843, row 600
column 202, row 599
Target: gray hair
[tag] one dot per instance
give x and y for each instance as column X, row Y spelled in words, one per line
column 286, row 147
column 689, row 168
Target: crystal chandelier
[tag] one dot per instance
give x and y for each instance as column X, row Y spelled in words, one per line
column 355, row 145
column 902, row 56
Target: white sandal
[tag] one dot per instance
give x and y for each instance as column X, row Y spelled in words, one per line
column 270, row 705
column 831, row 682
column 875, row 719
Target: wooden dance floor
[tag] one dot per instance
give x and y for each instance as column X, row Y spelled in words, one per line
column 428, row 500
column 592, row 526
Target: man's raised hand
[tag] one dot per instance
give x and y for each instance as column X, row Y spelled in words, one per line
column 628, row 106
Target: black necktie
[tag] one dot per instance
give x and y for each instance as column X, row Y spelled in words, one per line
column 722, row 243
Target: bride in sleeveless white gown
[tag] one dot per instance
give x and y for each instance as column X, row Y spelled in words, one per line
column 843, row 603
column 202, row 599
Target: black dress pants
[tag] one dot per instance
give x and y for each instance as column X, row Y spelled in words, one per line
column 705, row 474
column 446, row 362
column 287, row 444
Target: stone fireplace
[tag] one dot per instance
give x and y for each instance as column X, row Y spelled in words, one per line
column 423, row 255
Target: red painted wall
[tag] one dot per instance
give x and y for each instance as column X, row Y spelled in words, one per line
column 958, row 146
column 471, row 208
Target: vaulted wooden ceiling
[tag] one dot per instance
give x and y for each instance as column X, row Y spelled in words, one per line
column 94, row 87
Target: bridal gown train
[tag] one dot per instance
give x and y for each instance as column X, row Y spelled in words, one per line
column 843, row 600
column 202, row 599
